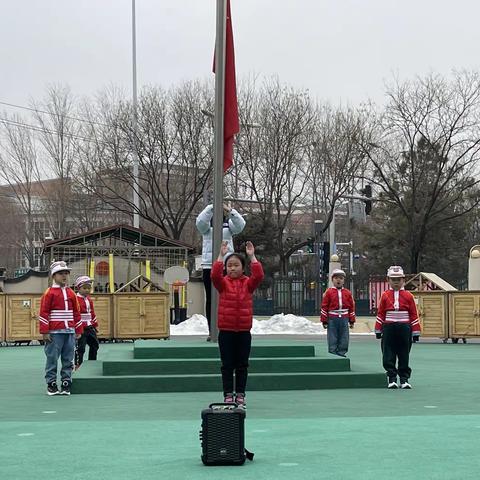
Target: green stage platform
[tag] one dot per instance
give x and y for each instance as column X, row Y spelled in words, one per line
column 165, row 366
column 431, row 432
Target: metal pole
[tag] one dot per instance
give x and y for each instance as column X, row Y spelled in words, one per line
column 333, row 248
column 317, row 231
column 136, row 203
column 219, row 151
column 351, row 268
column 331, row 230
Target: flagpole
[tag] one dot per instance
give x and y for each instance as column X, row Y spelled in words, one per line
column 219, row 151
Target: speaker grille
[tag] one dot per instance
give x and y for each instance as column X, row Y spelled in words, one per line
column 223, row 437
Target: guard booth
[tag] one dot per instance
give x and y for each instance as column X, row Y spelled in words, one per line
column 464, row 315
column 120, row 316
column 21, row 316
column 431, row 296
column 103, row 305
column 465, row 306
column 2, row 318
column 141, row 315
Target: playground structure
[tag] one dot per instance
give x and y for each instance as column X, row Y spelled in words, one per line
column 119, row 258
column 127, row 266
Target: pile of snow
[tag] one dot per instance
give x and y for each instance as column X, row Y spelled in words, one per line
column 287, row 324
column 278, row 324
column 195, row 325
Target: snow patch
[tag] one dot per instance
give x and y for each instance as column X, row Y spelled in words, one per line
column 278, row 324
column 195, row 325
column 287, row 324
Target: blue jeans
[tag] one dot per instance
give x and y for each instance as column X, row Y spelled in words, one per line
column 63, row 346
column 338, row 336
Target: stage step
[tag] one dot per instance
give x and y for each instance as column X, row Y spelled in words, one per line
column 144, row 349
column 212, row 366
column 212, row 382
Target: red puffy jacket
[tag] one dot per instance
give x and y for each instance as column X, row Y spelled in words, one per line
column 235, row 306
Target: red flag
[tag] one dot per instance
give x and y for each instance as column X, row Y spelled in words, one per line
column 231, row 125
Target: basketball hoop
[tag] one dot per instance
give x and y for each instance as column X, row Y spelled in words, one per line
column 176, row 276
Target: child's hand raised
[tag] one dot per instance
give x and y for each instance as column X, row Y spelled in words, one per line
column 224, row 248
column 250, row 249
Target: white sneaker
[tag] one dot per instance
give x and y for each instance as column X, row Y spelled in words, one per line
column 392, row 384
column 405, row 385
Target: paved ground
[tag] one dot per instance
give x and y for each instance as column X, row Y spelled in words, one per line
column 430, row 432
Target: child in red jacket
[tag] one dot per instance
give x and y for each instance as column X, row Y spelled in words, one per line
column 398, row 326
column 338, row 313
column 83, row 284
column 235, row 312
column 60, row 324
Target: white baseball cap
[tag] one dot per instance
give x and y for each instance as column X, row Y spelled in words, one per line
column 82, row 280
column 395, row 271
column 338, row 271
column 56, row 267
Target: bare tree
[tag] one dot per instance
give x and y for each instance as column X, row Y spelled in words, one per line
column 335, row 160
column 426, row 161
column 19, row 171
column 13, row 236
column 172, row 144
column 57, row 133
column 271, row 158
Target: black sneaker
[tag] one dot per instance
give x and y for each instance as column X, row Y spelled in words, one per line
column 52, row 389
column 392, row 383
column 66, row 386
column 405, row 385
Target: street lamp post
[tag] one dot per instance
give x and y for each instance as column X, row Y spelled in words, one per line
column 136, row 202
column 352, row 271
column 317, row 231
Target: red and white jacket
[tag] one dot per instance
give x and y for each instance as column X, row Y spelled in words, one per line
column 397, row 306
column 59, row 310
column 87, row 312
column 337, row 303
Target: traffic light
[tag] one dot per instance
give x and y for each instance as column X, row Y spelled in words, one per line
column 324, row 258
column 310, row 247
column 367, row 192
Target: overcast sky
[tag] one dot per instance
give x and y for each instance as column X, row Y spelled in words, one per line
column 341, row 50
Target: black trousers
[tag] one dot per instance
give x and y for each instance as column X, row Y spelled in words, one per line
column 234, row 352
column 89, row 336
column 207, row 283
column 396, row 344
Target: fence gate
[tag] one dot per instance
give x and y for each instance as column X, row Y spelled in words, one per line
column 295, row 295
